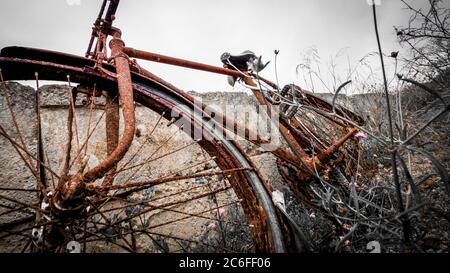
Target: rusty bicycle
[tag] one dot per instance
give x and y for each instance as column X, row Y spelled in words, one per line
column 68, row 195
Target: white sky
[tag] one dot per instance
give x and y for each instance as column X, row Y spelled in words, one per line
column 201, row 30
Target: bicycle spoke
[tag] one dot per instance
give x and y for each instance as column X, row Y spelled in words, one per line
column 128, row 192
column 116, row 195
column 15, row 144
column 91, row 110
column 149, row 233
column 72, row 98
column 70, row 118
column 163, row 144
column 16, row 148
column 152, row 208
column 99, row 211
column 52, row 176
column 31, row 218
column 167, row 179
column 20, row 203
column 155, row 242
column 183, row 239
column 163, row 206
column 112, row 109
column 150, row 160
column 15, row 209
column 27, row 245
column 13, row 115
column 41, row 181
column 196, row 215
column 169, row 208
column 140, row 148
column 85, row 143
column 180, row 192
column 106, row 239
column 11, row 233
column 134, row 203
column 181, row 246
column 18, row 189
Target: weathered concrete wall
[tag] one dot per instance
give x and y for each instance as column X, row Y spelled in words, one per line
column 14, row 173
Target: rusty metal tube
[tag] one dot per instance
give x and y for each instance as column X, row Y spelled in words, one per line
column 112, row 132
column 337, row 144
column 149, row 56
column 126, row 99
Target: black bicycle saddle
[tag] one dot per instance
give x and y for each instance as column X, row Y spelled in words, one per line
column 239, row 61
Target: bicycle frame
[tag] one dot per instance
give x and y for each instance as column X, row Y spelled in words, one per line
column 120, row 54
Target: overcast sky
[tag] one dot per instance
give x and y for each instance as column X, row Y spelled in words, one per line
column 201, row 30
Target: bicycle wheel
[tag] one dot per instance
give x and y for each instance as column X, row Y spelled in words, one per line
column 215, row 202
